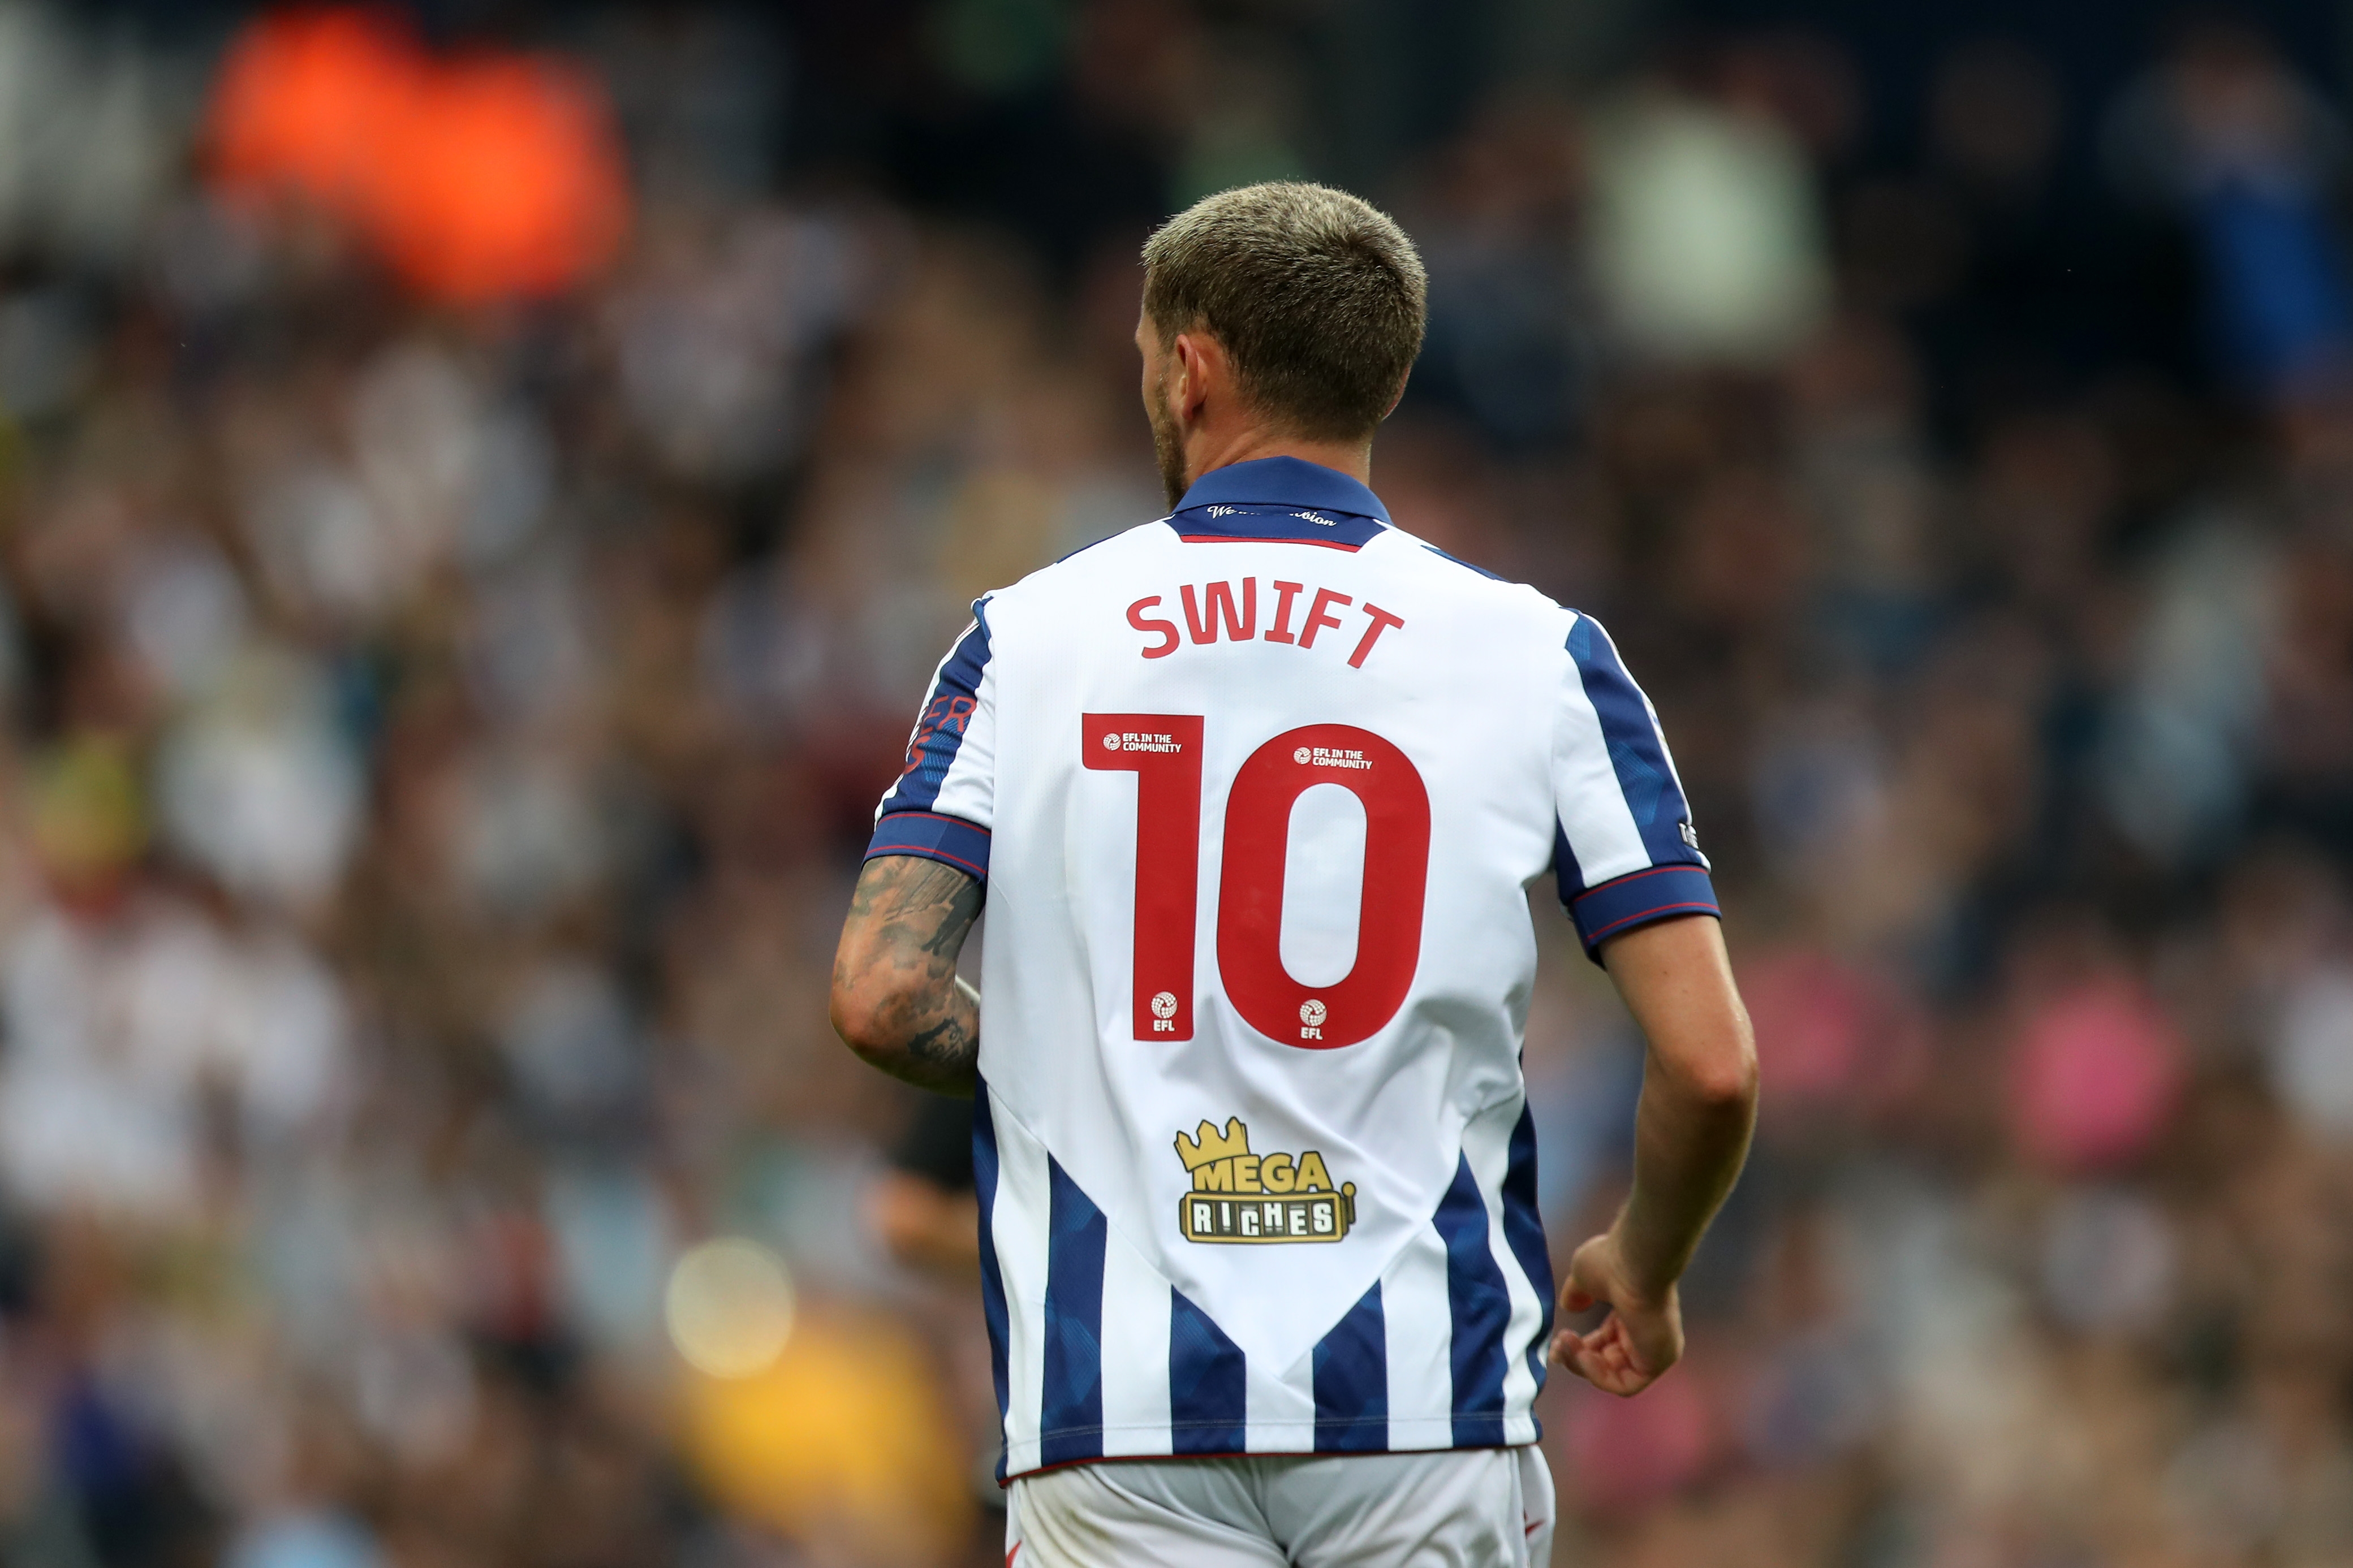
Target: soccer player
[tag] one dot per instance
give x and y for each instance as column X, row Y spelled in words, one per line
column 1254, row 792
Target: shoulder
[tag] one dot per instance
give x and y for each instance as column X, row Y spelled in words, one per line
column 1589, row 643
column 1490, row 593
column 1087, row 565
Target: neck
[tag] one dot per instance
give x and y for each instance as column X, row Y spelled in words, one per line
column 1353, row 459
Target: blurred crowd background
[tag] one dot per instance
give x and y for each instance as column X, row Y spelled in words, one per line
column 483, row 490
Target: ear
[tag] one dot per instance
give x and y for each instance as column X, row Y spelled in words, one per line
column 1200, row 364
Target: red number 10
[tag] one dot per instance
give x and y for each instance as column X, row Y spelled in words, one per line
column 1163, row 751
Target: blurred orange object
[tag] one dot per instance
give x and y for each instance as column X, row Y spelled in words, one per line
column 480, row 178
column 312, row 101
column 507, row 183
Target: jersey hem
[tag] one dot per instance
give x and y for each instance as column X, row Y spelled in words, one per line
column 1263, row 1454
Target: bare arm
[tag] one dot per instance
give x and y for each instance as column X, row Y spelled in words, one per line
column 896, row 998
column 927, row 1226
column 1690, row 1137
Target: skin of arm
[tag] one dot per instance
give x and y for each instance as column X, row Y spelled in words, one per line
column 896, row 998
column 1691, row 1138
column 927, row 1226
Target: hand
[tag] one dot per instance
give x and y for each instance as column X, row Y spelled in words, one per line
column 1641, row 1339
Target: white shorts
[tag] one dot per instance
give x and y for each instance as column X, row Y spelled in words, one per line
column 1461, row 1508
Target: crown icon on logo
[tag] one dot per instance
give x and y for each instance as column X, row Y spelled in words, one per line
column 1211, row 1145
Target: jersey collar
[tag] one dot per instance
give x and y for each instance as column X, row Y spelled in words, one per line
column 1283, row 481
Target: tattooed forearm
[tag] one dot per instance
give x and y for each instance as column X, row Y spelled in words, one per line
column 949, row 1049
column 896, row 998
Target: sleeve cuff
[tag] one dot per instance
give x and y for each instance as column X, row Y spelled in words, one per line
column 950, row 840
column 1639, row 897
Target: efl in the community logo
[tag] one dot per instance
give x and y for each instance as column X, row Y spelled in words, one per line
column 1140, row 741
column 1331, row 757
column 1239, row 1197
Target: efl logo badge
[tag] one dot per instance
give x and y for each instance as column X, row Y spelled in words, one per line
column 1241, row 1196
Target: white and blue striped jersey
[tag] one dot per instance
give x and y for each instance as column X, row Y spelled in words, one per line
column 1256, row 791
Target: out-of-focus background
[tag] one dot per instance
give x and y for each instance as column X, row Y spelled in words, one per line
column 482, row 489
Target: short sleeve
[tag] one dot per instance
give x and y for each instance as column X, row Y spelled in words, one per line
column 943, row 806
column 1626, row 852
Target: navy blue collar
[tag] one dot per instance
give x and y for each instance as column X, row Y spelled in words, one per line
column 1283, row 481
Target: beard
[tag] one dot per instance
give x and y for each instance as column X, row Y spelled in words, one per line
column 1168, row 447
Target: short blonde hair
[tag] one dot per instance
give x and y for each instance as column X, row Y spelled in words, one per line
column 1318, row 295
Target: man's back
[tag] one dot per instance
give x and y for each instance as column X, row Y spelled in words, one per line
column 1264, row 784
column 1261, row 786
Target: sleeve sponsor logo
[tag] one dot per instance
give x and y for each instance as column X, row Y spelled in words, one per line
column 945, row 712
column 1238, row 1196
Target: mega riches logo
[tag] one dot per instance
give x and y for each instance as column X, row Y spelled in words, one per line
column 1241, row 1196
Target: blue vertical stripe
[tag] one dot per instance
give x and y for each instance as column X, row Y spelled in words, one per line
column 1636, row 753
column 1069, row 1418
column 1352, row 1381
column 992, row 1282
column 1481, row 1306
column 939, row 729
column 1207, row 1413
column 1524, row 1231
